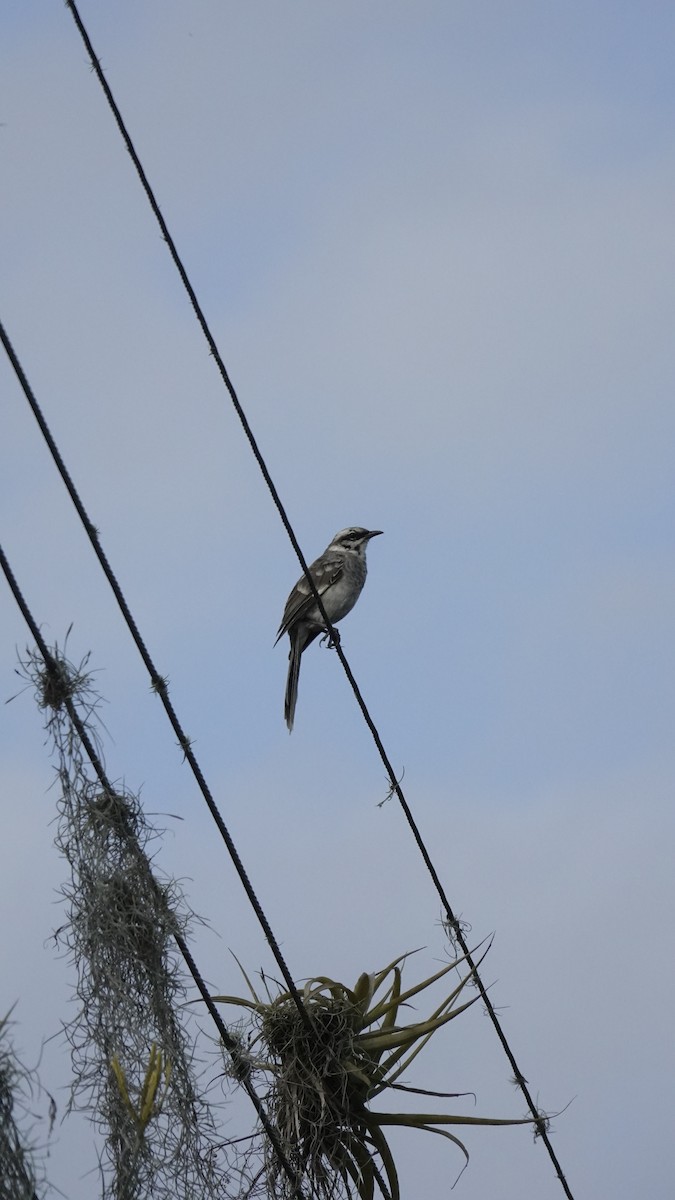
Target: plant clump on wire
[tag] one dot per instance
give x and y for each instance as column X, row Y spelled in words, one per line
column 326, row 1060
column 133, row 1062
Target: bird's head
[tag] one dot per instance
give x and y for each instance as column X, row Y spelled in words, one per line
column 354, row 539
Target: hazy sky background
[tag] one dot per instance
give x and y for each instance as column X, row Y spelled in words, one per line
column 435, row 243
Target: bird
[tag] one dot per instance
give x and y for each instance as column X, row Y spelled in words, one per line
column 339, row 575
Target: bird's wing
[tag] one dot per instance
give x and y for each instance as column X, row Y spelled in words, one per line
column 325, row 572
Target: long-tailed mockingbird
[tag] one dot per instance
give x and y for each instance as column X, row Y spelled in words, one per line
column 339, row 575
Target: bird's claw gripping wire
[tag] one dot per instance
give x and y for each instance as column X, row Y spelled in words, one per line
column 330, row 640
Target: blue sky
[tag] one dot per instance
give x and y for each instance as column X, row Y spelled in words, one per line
column 435, row 246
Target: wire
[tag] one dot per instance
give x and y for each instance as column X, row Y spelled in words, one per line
column 240, row 1066
column 199, row 313
column 538, row 1119
column 159, row 683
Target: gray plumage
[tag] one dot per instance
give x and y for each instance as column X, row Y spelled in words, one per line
column 339, row 575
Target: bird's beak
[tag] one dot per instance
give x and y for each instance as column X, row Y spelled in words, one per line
column 374, row 533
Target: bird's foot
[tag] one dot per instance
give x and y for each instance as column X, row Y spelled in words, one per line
column 330, row 640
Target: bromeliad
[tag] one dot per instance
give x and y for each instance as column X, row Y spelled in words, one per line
column 326, row 1071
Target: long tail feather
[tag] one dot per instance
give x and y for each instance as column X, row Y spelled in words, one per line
column 290, row 700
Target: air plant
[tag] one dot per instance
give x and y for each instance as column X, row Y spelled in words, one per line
column 329, row 1058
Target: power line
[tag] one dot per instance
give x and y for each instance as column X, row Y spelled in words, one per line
column 241, row 1068
column 454, row 923
column 159, row 683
